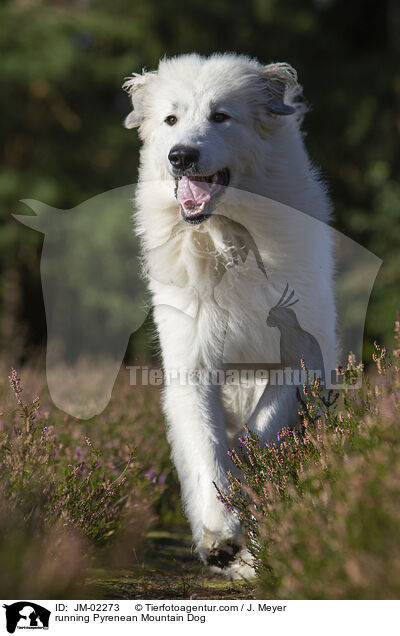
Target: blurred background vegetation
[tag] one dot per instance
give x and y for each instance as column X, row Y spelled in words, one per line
column 62, row 64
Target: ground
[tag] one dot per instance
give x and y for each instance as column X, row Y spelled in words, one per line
column 168, row 570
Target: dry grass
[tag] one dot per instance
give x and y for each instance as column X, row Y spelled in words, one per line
column 76, row 494
column 77, row 499
column 322, row 508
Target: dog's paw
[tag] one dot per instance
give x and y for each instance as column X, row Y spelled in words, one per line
column 228, row 558
column 223, row 555
column 238, row 566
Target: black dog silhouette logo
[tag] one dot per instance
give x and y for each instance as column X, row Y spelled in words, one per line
column 26, row 615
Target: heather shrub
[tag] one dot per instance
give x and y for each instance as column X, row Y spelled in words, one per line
column 322, row 505
column 40, row 560
column 75, row 495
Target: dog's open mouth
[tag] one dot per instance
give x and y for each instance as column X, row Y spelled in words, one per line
column 195, row 193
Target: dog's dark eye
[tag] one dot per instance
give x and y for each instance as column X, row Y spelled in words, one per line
column 219, row 117
column 171, row 120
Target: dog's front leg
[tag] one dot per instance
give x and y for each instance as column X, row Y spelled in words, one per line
column 197, row 437
column 196, row 432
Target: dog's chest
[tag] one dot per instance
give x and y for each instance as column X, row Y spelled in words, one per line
column 226, row 297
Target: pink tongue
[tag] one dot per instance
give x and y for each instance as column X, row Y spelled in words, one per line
column 191, row 193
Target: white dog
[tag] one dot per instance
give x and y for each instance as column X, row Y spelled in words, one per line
column 206, row 124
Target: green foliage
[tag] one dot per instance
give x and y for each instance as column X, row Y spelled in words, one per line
column 321, row 507
column 62, row 65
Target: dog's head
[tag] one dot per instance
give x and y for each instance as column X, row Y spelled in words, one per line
column 202, row 121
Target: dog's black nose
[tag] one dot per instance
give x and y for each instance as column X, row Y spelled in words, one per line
column 183, row 157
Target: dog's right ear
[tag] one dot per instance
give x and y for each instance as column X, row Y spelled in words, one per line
column 278, row 78
column 134, row 86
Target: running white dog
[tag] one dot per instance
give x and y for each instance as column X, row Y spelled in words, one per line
column 209, row 123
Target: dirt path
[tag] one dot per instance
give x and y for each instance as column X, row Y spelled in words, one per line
column 169, row 571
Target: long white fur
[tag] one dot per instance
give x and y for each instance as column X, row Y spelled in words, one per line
column 265, row 154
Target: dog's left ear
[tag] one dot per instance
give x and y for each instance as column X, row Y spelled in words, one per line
column 278, row 78
column 134, row 86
